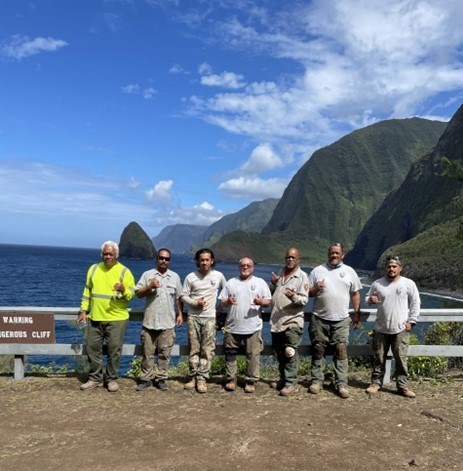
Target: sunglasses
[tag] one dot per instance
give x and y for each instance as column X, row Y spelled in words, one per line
column 392, row 258
column 167, row 259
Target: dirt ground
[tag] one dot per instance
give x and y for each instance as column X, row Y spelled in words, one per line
column 48, row 423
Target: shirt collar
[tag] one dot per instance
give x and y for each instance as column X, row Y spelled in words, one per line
column 334, row 267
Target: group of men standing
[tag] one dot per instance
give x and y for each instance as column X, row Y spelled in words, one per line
column 333, row 285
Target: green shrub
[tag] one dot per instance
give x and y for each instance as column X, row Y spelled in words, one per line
column 44, row 370
column 6, row 364
column 305, row 367
column 361, row 336
column 426, row 367
column 446, row 333
column 135, row 368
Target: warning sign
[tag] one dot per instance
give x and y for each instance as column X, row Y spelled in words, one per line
column 27, row 328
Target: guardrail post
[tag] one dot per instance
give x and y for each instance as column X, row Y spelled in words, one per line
column 19, row 367
column 387, row 373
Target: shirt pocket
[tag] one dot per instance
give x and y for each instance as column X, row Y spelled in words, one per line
column 171, row 290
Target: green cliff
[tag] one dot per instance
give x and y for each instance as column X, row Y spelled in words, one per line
column 335, row 192
column 425, row 199
column 135, row 243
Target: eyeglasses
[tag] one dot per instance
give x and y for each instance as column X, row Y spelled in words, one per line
column 290, row 257
column 167, row 259
column 246, row 265
column 107, row 254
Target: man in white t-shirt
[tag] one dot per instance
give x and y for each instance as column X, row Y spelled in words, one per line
column 245, row 295
column 332, row 285
column 398, row 303
column 199, row 293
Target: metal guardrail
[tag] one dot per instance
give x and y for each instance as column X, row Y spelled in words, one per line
column 21, row 350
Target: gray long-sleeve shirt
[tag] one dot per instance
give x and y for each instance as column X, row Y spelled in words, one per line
column 399, row 304
column 198, row 285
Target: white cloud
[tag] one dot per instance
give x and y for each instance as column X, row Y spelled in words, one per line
column 202, row 214
column 34, row 189
column 224, row 80
column 177, row 69
column 160, row 194
column 132, row 88
column 134, row 183
column 19, row 47
column 262, row 159
column 135, row 89
column 64, row 203
column 253, row 188
column 204, row 69
column 149, row 93
column 113, row 22
column 361, row 61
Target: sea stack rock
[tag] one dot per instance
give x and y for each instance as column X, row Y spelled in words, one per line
column 135, row 243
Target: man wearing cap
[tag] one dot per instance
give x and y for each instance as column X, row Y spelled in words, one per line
column 333, row 285
column 161, row 289
column 398, row 302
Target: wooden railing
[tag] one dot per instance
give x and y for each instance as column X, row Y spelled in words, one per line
column 21, row 350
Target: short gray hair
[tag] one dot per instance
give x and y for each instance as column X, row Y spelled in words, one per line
column 110, row 243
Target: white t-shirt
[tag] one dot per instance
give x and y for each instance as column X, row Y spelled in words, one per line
column 244, row 316
column 332, row 303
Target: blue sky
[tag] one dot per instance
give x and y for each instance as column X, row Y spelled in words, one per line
column 182, row 111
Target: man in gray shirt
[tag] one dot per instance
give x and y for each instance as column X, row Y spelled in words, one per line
column 290, row 291
column 398, row 303
column 161, row 289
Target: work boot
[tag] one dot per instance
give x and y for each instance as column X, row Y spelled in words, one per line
column 407, row 392
column 90, row 385
column 289, row 389
column 201, row 386
column 231, row 385
column 249, row 388
column 113, row 386
column 315, row 388
column 278, row 385
column 161, row 384
column 143, row 385
column 190, row 385
column 373, row 388
column 343, row 392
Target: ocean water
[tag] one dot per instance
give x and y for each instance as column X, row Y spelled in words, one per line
column 55, row 276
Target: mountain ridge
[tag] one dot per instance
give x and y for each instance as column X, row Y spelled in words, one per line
column 425, row 198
